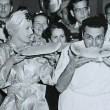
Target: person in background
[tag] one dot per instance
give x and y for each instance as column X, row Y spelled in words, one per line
column 56, row 32
column 66, row 18
column 84, row 81
column 40, row 23
column 6, row 7
column 64, row 13
column 80, row 11
column 107, row 16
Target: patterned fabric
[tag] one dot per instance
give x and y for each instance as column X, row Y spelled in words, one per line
column 22, row 83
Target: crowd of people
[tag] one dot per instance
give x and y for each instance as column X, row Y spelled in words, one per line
column 54, row 79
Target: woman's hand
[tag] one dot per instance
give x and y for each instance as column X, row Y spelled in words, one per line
column 16, row 58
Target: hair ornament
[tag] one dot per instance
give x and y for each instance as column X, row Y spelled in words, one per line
column 40, row 12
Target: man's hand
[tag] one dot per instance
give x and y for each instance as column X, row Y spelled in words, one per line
column 16, row 58
column 77, row 61
column 106, row 61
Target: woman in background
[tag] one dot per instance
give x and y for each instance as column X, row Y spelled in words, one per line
column 56, row 32
column 40, row 23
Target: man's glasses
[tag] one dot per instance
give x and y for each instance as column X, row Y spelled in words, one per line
column 79, row 10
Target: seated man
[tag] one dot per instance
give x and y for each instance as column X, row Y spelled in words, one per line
column 85, row 82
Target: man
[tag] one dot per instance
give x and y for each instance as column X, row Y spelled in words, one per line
column 5, row 10
column 66, row 18
column 6, row 7
column 81, row 11
column 107, row 15
column 84, row 82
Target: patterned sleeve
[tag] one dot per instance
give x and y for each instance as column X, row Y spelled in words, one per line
column 3, row 66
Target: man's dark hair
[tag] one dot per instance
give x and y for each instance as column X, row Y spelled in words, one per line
column 94, row 22
column 106, row 7
column 76, row 1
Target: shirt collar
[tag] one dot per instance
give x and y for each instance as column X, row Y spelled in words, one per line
column 77, row 25
column 108, row 25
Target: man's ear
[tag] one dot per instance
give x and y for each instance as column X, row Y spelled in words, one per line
column 82, row 35
column 72, row 13
column 11, row 8
column 105, row 15
column 48, row 21
column 89, row 10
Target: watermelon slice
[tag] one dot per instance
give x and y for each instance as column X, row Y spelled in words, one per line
column 92, row 52
column 41, row 49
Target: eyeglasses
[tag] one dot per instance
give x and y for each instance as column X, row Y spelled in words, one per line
column 79, row 10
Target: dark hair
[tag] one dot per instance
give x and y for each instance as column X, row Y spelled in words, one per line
column 70, row 17
column 48, row 32
column 106, row 7
column 40, row 14
column 22, row 8
column 76, row 1
column 95, row 22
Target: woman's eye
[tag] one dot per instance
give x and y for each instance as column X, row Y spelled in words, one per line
column 62, row 36
column 37, row 23
column 55, row 36
column 44, row 23
column 27, row 28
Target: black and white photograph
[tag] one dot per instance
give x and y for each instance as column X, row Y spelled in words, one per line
column 54, row 54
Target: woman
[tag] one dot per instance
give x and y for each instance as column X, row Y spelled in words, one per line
column 20, row 77
column 56, row 32
column 40, row 23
